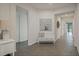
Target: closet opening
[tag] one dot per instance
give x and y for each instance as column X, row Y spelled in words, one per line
column 21, row 29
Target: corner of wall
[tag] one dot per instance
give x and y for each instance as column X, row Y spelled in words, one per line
column 31, row 43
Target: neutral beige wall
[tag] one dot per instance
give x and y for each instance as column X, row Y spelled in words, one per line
column 10, row 23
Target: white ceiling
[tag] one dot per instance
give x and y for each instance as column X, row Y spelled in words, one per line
column 51, row 5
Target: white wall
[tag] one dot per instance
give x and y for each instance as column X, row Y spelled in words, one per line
column 32, row 22
column 59, row 30
column 68, row 19
column 47, row 14
column 12, row 21
column 33, row 27
column 51, row 14
column 76, row 28
column 62, row 11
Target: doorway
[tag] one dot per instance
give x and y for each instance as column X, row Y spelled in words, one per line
column 21, row 22
column 21, row 29
column 69, row 32
column 65, row 29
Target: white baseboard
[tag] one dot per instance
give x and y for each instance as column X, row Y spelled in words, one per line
column 31, row 43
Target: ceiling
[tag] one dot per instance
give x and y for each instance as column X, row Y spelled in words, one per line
column 45, row 6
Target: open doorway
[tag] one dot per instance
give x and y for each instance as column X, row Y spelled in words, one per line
column 21, row 23
column 65, row 29
column 69, row 31
column 21, row 29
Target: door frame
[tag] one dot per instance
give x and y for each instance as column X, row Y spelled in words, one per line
column 27, row 23
column 55, row 17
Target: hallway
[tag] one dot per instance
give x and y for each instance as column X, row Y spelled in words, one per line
column 62, row 47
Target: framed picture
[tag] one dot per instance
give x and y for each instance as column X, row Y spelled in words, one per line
column 45, row 24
